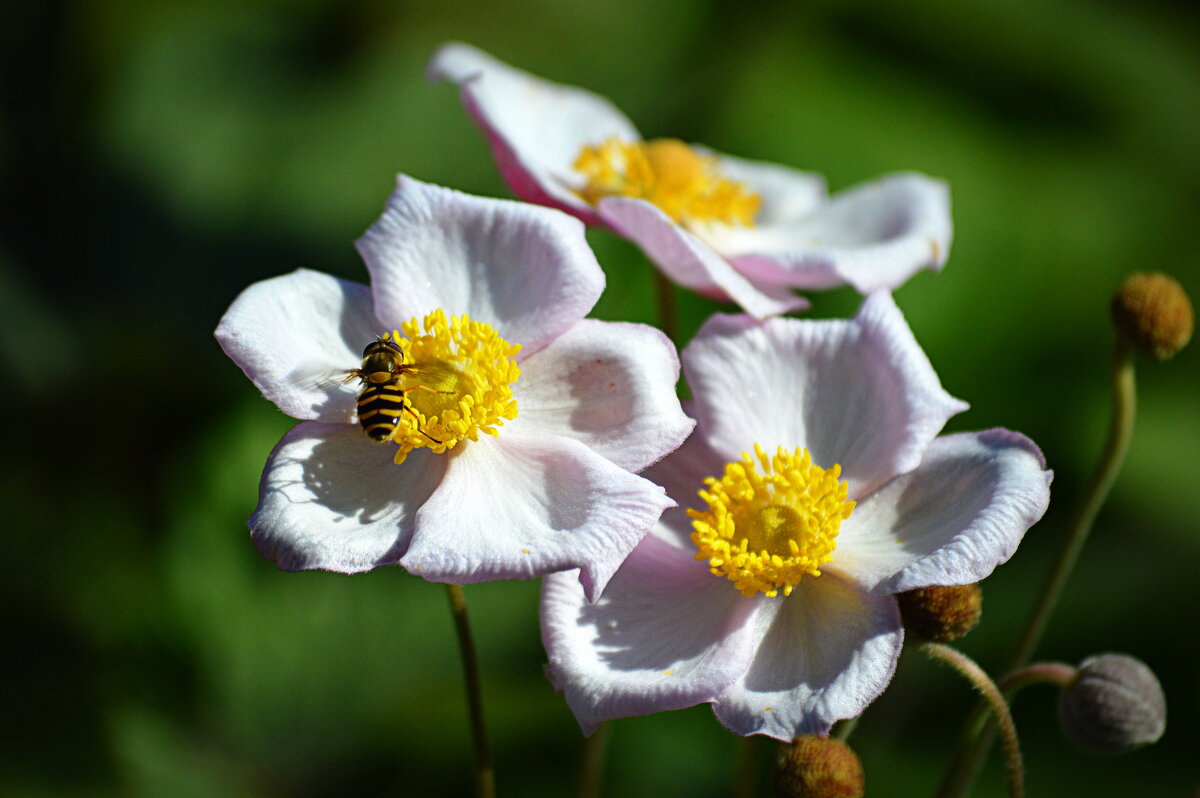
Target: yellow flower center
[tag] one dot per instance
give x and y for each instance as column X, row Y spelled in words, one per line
column 686, row 185
column 770, row 522
column 460, row 385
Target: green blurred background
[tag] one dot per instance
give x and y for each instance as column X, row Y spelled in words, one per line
column 158, row 156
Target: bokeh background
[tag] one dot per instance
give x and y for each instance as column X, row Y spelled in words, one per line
column 157, row 156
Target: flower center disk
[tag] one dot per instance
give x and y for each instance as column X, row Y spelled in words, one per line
column 770, row 520
column 685, row 184
column 460, row 382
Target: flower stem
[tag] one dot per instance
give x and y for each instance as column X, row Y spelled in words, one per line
column 592, row 766
column 1058, row 674
column 846, row 728
column 746, row 785
column 976, row 738
column 485, row 778
column 995, row 701
column 668, row 315
column 1120, row 431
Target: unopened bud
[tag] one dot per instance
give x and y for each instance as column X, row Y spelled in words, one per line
column 1154, row 313
column 941, row 614
column 818, row 767
column 1113, row 705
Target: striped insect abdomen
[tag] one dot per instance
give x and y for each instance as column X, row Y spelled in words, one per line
column 379, row 409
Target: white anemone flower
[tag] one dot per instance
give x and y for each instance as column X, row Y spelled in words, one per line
column 814, row 488
column 484, row 300
column 726, row 227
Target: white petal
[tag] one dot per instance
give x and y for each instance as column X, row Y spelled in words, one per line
column 516, row 507
column 788, row 195
column 295, row 337
column 526, row 270
column 665, row 635
column 332, row 498
column 827, row 651
column 610, row 386
column 682, row 475
column 951, row 520
column 873, row 236
column 687, row 260
column 860, row 393
column 536, row 128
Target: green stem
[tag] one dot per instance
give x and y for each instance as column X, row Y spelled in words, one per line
column 995, row 702
column 976, row 738
column 668, row 315
column 746, row 785
column 846, row 728
column 592, row 767
column 485, row 778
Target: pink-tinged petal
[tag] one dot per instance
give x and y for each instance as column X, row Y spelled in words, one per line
column 295, row 337
column 536, row 128
column 951, row 520
column 516, row 507
column 873, row 236
column 665, row 635
column 788, row 195
column 826, row 652
column 689, row 261
column 860, row 393
column 526, row 270
column 609, row 385
column 332, row 498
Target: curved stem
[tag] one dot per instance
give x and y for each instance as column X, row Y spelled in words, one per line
column 846, row 728
column 485, row 778
column 746, row 785
column 976, row 738
column 592, row 766
column 668, row 316
column 1058, row 674
column 995, row 701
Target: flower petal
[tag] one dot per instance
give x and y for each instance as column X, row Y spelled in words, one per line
column 536, row 128
column 682, row 474
column 331, row 498
column 860, row 393
column 295, row 337
column 610, row 386
column 788, row 195
column 827, row 651
column 522, row 506
column 873, row 236
column 665, row 635
column 951, row 520
column 526, row 270
column 690, row 262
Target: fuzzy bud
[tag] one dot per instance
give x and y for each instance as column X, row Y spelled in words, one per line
column 941, row 614
column 1154, row 313
column 818, row 767
column 1113, row 705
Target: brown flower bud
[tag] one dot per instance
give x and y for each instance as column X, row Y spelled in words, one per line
column 1154, row 313
column 1113, row 705
column 941, row 614
column 818, row 767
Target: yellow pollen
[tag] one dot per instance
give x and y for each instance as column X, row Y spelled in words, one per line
column 770, row 520
column 461, row 382
column 685, row 184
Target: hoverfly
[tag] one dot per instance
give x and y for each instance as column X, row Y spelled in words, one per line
column 381, row 400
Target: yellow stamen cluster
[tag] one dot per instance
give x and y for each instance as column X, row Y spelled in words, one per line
column 686, row 185
column 461, row 383
column 770, row 522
